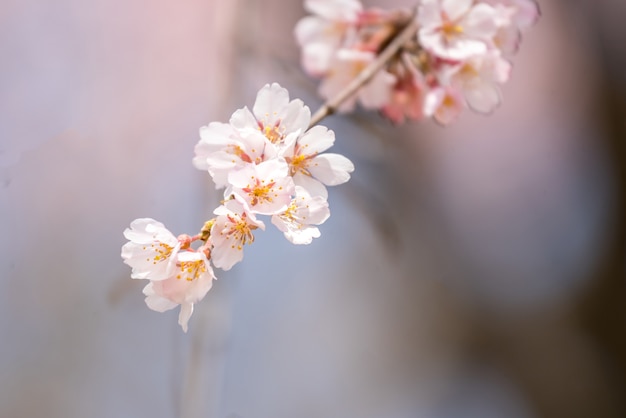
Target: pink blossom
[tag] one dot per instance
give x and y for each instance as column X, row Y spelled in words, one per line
column 231, row 231
column 456, row 29
column 187, row 285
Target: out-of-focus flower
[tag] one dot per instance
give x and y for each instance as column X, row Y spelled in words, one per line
column 452, row 53
column 444, row 104
column 188, row 283
column 231, row 231
column 456, row 29
column 347, row 65
column 479, row 79
column 151, row 250
column 323, row 33
column 298, row 222
column 407, row 95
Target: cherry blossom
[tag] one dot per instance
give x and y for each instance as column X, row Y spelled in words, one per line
column 456, row 29
column 223, row 149
column 322, row 34
column 310, row 168
column 444, row 104
column 346, row 66
column 151, row 250
column 407, row 95
column 304, row 212
column 479, row 78
column 266, row 188
column 188, row 284
column 231, row 231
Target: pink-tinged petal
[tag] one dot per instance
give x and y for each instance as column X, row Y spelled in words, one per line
column 443, row 104
column 266, row 188
column 243, row 119
column 297, row 222
column 331, row 169
column 315, row 140
column 231, row 231
column 376, row 93
column 347, row 10
column 225, row 260
column 483, row 98
column 455, row 9
column 212, row 138
column 461, row 49
column 269, row 99
column 309, row 28
column 220, row 164
column 295, row 116
column 528, row 13
column 508, row 39
column 317, row 58
column 481, row 22
column 314, row 187
column 429, row 14
column 186, row 309
column 502, row 70
column 156, row 302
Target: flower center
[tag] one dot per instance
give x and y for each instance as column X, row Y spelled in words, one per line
column 275, row 133
column 162, row 252
column 190, row 270
column 451, row 29
column 259, row 192
column 241, row 231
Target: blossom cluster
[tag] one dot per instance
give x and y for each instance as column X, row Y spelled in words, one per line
column 269, row 162
column 458, row 57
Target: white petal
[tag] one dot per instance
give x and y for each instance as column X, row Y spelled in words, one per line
column 296, row 116
column 315, row 140
column 314, row 187
column 484, row 98
column 481, row 22
column 456, row 8
column 156, row 302
column 334, row 10
column 429, row 14
column 331, row 169
column 270, row 99
column 186, row 309
column 242, row 119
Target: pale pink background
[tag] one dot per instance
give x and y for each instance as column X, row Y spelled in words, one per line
column 488, row 227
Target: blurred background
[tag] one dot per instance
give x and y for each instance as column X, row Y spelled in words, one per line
column 473, row 271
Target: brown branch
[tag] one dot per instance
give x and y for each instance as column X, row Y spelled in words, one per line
column 368, row 72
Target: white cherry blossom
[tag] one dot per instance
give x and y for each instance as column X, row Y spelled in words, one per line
column 223, row 149
column 266, row 187
column 251, row 137
column 231, row 231
column 151, row 250
column 310, row 168
column 188, row 283
column 278, row 118
column 298, row 222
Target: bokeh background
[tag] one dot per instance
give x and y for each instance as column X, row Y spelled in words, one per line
column 473, row 271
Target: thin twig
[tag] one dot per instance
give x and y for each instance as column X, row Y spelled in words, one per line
column 368, row 72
